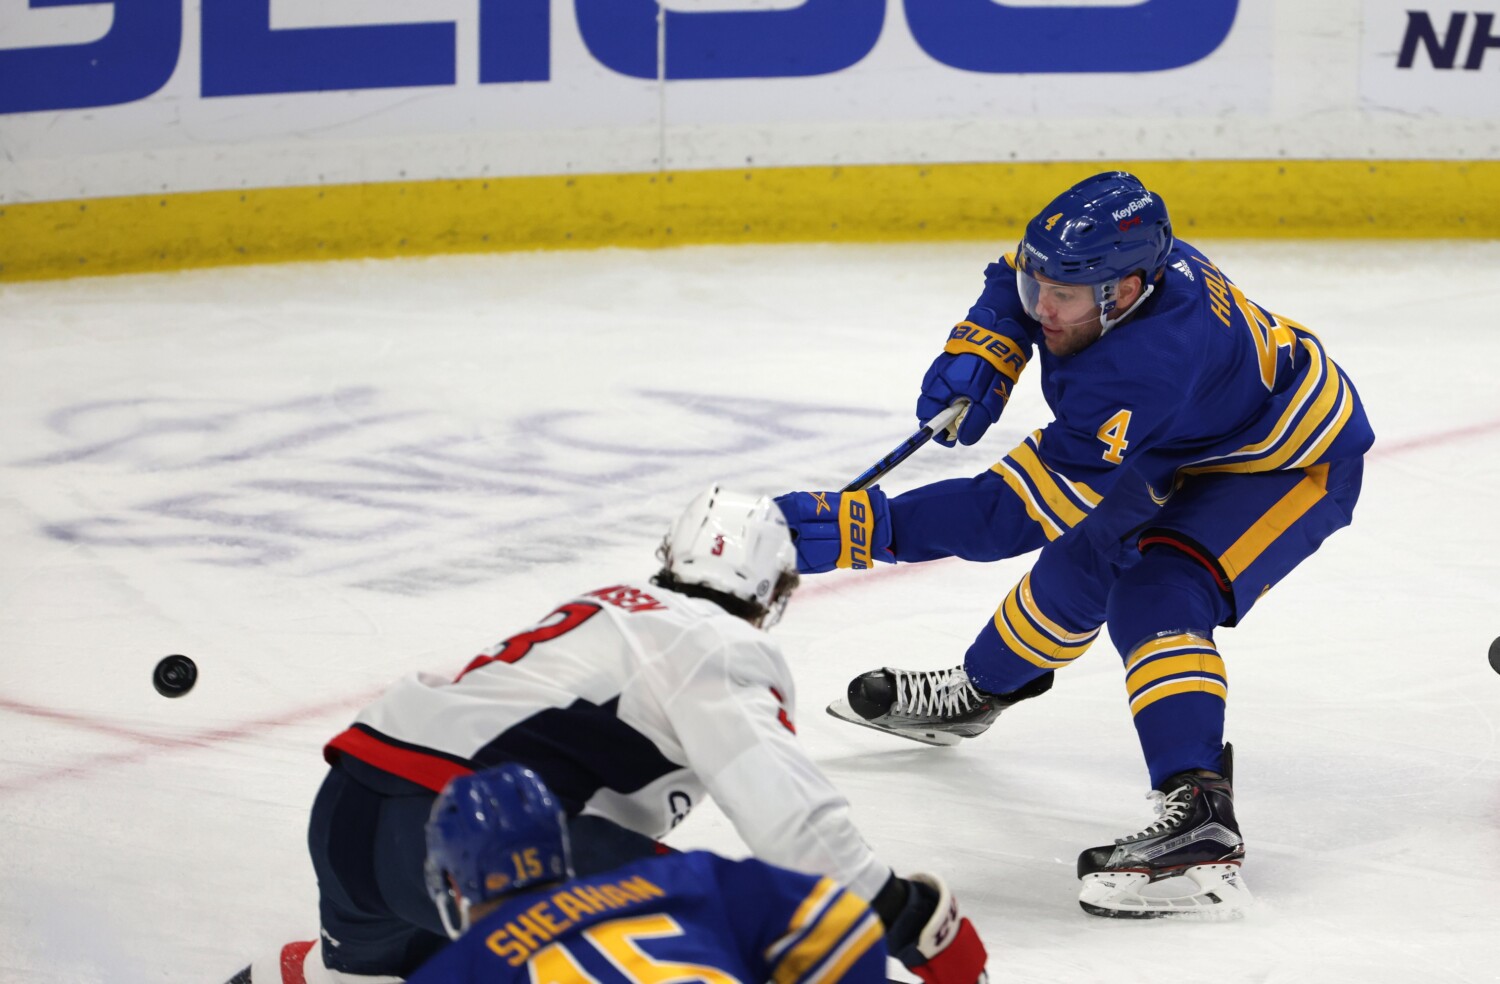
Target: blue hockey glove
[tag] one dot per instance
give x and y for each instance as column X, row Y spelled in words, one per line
column 838, row 529
column 976, row 363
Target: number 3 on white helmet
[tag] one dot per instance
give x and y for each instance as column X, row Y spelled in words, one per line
column 735, row 544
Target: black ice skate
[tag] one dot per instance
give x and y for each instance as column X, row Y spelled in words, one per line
column 1186, row 863
column 935, row 707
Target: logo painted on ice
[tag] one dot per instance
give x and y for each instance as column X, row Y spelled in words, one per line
column 336, row 485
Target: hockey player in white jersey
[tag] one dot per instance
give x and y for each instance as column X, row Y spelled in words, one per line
column 633, row 702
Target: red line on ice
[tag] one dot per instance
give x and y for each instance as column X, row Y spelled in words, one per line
column 149, row 744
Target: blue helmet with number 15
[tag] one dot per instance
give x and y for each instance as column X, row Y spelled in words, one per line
column 489, row 834
column 1099, row 231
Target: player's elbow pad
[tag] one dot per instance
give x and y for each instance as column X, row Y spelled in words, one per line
column 838, row 529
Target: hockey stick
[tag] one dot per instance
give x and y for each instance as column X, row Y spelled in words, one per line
column 942, row 420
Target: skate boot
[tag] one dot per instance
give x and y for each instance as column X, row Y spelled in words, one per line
column 935, row 707
column 1186, row 863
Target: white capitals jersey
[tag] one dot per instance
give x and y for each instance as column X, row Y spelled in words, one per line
column 630, row 703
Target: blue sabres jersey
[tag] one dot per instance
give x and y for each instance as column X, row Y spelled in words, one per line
column 1200, row 379
column 686, row 917
column 1199, row 386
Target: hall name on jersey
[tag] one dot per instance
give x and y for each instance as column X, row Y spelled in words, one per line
column 543, row 922
column 631, row 599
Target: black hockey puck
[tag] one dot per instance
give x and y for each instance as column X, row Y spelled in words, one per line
column 174, row 676
column 1495, row 655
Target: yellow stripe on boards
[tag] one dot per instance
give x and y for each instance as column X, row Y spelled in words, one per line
column 875, row 203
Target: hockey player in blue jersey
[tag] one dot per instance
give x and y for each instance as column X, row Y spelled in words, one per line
column 1201, row 448
column 499, row 871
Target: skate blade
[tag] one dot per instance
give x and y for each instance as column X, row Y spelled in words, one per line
column 841, row 710
column 1213, row 891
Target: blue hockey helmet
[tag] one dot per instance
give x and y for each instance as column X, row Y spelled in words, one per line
column 1099, row 231
column 489, row 834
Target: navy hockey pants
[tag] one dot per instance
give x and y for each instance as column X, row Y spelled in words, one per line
column 368, row 849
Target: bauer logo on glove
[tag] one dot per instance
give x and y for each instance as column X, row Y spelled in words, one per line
column 838, row 529
column 977, row 364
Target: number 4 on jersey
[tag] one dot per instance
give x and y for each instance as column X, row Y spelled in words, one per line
column 1113, row 435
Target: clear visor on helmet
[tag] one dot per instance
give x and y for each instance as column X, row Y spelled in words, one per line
column 1063, row 305
column 1066, row 305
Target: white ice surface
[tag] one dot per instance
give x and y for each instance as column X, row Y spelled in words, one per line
column 312, row 479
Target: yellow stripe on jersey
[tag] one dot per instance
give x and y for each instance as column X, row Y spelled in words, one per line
column 856, row 529
column 1032, row 635
column 849, row 912
column 1175, row 664
column 1345, row 411
column 1275, row 521
column 1047, row 482
column 821, row 894
column 855, row 945
column 1317, row 415
column 1034, row 508
column 1321, row 407
column 1309, row 383
column 1052, row 500
column 1005, row 354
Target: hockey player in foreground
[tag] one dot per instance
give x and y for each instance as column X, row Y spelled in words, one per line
column 499, row 872
column 1202, row 448
column 632, row 703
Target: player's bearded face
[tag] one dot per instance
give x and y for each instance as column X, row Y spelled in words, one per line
column 1069, row 316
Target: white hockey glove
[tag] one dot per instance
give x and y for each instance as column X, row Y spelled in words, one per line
column 933, row 939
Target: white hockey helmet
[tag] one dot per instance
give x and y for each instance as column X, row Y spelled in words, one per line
column 736, row 544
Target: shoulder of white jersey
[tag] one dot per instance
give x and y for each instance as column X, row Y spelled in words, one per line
column 711, row 633
column 641, row 597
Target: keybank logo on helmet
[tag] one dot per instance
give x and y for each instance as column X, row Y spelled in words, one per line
column 1132, row 208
